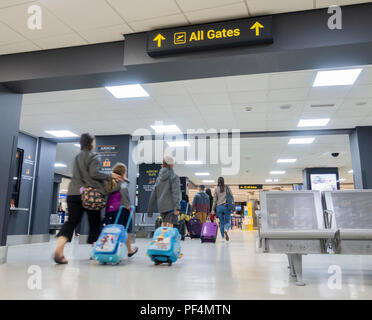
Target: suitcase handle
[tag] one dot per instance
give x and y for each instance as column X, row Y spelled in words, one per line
column 130, row 216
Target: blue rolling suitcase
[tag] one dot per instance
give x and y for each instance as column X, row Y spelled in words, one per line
column 111, row 245
column 165, row 246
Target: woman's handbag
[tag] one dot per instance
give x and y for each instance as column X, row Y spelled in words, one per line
column 91, row 198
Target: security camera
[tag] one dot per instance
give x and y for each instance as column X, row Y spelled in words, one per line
column 335, row 154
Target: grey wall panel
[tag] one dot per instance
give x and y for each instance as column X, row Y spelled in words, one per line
column 10, row 111
column 43, row 187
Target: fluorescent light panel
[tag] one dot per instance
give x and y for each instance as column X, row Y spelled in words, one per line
column 128, row 91
column 202, row 173
column 313, row 122
column 336, row 77
column 286, row 160
column 60, row 165
column 272, row 180
column 301, row 140
column 179, row 143
column 351, row 171
column 61, row 133
column 77, row 145
column 208, row 181
column 171, row 128
column 193, row 162
column 277, row 172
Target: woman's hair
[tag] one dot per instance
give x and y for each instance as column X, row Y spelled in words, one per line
column 208, row 192
column 221, row 184
column 86, row 141
column 120, row 169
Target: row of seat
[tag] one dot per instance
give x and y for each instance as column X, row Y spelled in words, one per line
column 311, row 222
column 144, row 223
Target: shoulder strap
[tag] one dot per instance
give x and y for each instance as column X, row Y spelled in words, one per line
column 78, row 169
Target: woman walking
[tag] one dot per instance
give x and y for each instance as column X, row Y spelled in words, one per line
column 86, row 173
column 220, row 206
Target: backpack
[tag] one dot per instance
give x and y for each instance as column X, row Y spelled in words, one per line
column 113, row 202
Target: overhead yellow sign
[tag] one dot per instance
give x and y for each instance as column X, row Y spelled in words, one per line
column 210, row 36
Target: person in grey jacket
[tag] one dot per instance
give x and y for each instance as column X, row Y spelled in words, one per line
column 167, row 193
column 86, row 172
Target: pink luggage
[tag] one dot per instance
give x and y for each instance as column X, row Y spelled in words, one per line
column 209, row 232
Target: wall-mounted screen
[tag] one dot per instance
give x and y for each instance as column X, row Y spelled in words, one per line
column 16, row 182
column 323, row 182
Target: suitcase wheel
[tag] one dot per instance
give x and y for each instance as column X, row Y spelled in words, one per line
column 170, row 263
column 156, row 262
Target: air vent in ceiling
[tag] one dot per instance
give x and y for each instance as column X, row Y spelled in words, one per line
column 329, row 105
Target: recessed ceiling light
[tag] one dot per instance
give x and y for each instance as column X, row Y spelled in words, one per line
column 351, row 171
column 77, row 145
column 277, row 172
column 360, row 103
column 272, row 180
column 286, row 160
column 193, row 162
column 248, row 109
column 313, row 122
column 301, row 140
column 202, row 173
column 285, row 107
column 60, row 165
column 171, row 128
column 61, row 133
column 336, row 77
column 342, row 179
column 128, row 91
column 179, row 143
column 208, row 181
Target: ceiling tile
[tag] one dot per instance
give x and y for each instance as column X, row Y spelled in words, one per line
column 192, row 5
column 248, row 82
column 248, row 97
column 206, row 98
column 286, row 80
column 233, row 11
column 260, row 7
column 365, row 76
column 12, row 3
column 209, row 85
column 8, row 36
column 159, row 23
column 170, row 89
column 332, row 92
column 23, row 46
column 143, row 9
column 327, row 3
column 255, row 108
column 83, row 14
column 108, row 34
column 360, row 92
column 288, row 94
column 61, row 41
column 16, row 18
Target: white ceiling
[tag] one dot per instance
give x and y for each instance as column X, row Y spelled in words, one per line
column 218, row 103
column 258, row 156
column 80, row 22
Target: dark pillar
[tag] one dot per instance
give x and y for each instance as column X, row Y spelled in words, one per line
column 361, row 156
column 43, row 193
column 10, row 114
column 148, row 172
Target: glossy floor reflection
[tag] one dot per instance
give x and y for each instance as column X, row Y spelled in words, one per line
column 209, row 271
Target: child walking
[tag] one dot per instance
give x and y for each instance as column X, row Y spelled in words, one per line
column 167, row 193
column 119, row 196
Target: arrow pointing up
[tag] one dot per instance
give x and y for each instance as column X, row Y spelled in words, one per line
column 159, row 38
column 257, row 26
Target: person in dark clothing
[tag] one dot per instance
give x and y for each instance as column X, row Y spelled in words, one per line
column 209, row 193
column 201, row 205
column 86, row 172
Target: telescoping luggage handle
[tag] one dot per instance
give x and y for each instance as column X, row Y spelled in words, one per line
column 130, row 216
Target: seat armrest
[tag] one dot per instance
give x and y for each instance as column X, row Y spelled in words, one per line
column 356, row 234
column 298, row 234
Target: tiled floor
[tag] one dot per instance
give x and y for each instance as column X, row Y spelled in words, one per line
column 207, row 271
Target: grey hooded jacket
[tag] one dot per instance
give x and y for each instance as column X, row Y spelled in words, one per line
column 87, row 172
column 167, row 192
column 123, row 188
